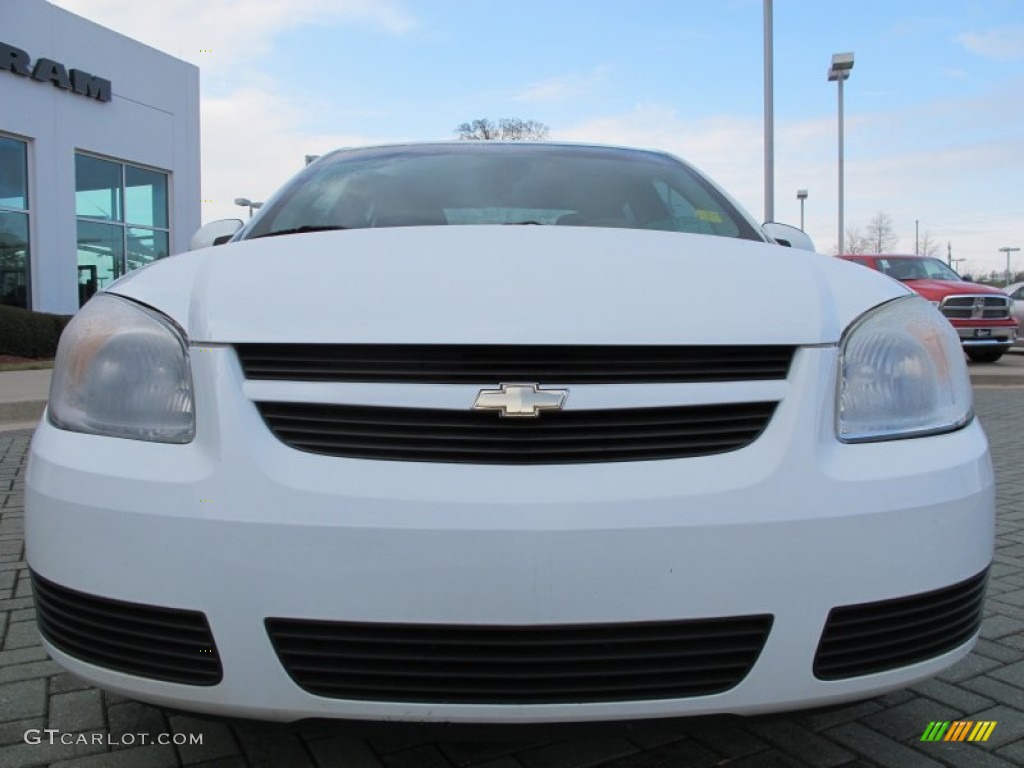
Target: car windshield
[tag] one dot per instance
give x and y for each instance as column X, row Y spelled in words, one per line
column 923, row 268
column 507, row 183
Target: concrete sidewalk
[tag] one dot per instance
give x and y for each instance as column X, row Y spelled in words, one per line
column 23, row 393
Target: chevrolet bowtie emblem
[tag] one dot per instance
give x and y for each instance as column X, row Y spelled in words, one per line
column 520, row 400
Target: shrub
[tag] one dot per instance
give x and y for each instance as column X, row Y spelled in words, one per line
column 29, row 334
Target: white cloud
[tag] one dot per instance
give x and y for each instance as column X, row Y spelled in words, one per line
column 561, row 88
column 231, row 29
column 254, row 134
column 726, row 148
column 253, row 141
column 961, row 190
column 1001, row 43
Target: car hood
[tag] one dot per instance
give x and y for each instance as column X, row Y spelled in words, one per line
column 506, row 285
column 939, row 289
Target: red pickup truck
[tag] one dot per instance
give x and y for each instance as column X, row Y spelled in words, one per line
column 982, row 316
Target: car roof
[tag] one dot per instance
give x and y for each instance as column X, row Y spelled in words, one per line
column 471, row 145
column 886, row 256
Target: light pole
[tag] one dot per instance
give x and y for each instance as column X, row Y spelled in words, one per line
column 801, row 195
column 245, row 202
column 1008, row 250
column 842, row 63
column 769, row 118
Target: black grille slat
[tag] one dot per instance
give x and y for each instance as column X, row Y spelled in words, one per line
column 912, row 643
column 149, row 641
column 91, row 612
column 512, row 637
column 366, row 658
column 480, row 363
column 909, row 616
column 485, row 670
column 415, row 434
column 854, row 665
column 127, row 636
column 547, row 664
column 376, row 419
column 875, row 637
column 386, row 691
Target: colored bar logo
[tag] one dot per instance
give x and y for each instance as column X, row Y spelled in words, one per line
column 958, row 730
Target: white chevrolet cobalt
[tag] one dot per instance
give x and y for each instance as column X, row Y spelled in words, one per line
column 481, row 432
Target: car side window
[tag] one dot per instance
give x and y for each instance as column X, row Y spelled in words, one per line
column 1018, row 294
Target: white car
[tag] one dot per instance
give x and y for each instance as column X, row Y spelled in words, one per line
column 389, row 456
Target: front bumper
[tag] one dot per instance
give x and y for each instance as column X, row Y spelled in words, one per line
column 243, row 529
column 986, row 334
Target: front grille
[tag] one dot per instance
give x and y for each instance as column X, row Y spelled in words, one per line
column 982, row 307
column 875, row 637
column 485, row 363
column 143, row 640
column 519, row 665
column 479, row 437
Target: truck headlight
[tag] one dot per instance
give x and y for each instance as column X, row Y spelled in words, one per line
column 902, row 373
column 123, row 370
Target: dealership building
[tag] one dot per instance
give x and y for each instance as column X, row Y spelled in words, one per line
column 99, row 156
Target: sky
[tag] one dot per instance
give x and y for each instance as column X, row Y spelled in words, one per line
column 934, row 107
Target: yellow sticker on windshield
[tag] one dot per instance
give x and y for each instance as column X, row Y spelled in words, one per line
column 712, row 216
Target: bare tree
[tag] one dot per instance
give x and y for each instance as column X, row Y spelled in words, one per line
column 880, row 233
column 507, row 128
column 928, row 245
column 855, row 243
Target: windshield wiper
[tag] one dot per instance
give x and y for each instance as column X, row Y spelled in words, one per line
column 514, row 223
column 300, row 230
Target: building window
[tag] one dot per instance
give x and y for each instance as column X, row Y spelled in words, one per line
column 14, row 241
column 122, row 220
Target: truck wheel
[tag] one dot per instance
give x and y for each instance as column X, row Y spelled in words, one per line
column 985, row 355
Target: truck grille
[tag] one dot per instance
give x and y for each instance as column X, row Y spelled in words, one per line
column 486, row 363
column 476, row 437
column 519, row 665
column 983, row 307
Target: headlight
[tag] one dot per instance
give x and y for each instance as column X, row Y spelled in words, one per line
column 902, row 373
column 122, row 370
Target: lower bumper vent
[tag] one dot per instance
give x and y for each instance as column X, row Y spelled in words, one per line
column 875, row 637
column 142, row 640
column 519, row 665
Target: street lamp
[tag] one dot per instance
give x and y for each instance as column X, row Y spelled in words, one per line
column 801, row 195
column 1007, row 250
column 245, row 202
column 842, row 63
column 769, row 117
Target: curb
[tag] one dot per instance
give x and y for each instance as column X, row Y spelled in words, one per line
column 994, row 380
column 21, row 411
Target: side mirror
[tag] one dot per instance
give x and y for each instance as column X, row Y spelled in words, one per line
column 789, row 236
column 214, row 233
